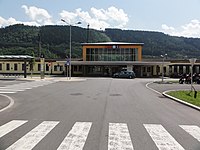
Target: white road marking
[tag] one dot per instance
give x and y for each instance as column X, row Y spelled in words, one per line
column 162, row 139
column 10, row 104
column 119, row 138
column 17, row 90
column 192, row 130
column 32, row 138
column 23, row 86
column 10, row 126
column 7, row 92
column 77, row 136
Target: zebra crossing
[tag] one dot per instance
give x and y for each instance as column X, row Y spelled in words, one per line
column 24, row 86
column 118, row 135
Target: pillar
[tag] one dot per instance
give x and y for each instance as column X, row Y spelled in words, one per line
column 178, row 69
column 25, row 71
column 129, row 67
column 184, row 69
column 197, row 69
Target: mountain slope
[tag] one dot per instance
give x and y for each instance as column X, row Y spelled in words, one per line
column 21, row 39
column 157, row 43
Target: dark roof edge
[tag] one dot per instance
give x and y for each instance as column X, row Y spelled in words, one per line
column 112, row 43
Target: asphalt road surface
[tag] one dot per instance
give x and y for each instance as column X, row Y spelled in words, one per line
column 95, row 114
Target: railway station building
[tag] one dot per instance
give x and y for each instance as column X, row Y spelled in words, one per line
column 100, row 60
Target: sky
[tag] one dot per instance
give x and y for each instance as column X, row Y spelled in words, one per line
column 173, row 17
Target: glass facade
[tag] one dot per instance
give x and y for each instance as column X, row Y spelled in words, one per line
column 109, row 54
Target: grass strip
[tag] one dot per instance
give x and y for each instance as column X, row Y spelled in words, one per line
column 186, row 96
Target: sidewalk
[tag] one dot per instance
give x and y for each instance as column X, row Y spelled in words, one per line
column 47, row 77
column 57, row 78
column 164, row 88
column 174, row 86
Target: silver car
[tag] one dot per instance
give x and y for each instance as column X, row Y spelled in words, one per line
column 124, row 74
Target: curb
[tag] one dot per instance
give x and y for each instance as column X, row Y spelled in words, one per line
column 173, row 98
column 147, row 86
column 51, row 78
column 71, row 80
column 180, row 101
column 9, row 105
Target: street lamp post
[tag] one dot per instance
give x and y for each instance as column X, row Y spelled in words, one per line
column 163, row 58
column 70, row 45
column 192, row 61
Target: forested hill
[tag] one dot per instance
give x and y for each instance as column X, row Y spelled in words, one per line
column 21, row 39
column 157, row 43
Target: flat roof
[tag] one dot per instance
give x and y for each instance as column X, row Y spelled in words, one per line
column 15, row 57
column 112, row 43
column 116, row 63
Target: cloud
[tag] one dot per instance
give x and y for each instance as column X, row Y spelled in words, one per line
column 192, row 29
column 98, row 18
column 11, row 21
column 4, row 22
column 38, row 15
column 167, row 28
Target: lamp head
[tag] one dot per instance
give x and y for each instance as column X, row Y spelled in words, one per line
column 63, row 20
column 78, row 22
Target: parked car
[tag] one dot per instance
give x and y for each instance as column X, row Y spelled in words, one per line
column 124, row 74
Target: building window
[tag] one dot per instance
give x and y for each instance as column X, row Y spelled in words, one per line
column 80, row 68
column 22, row 67
column 0, row 66
column 111, row 54
column 175, row 69
column 15, row 67
column 181, row 69
column 7, row 66
column 47, row 67
column 143, row 69
column 157, row 69
column 135, row 55
column 61, row 68
column 187, row 69
column 165, row 69
column 39, row 67
column 148, row 69
column 75, row 68
column 55, row 68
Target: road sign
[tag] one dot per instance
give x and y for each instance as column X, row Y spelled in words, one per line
column 192, row 61
column 67, row 62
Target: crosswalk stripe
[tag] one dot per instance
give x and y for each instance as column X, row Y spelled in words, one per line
column 17, row 90
column 192, row 130
column 7, row 92
column 10, row 126
column 32, row 138
column 162, row 138
column 77, row 136
column 119, row 137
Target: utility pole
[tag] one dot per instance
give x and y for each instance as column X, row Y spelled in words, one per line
column 163, row 59
column 39, row 42
column 88, row 33
column 70, row 46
